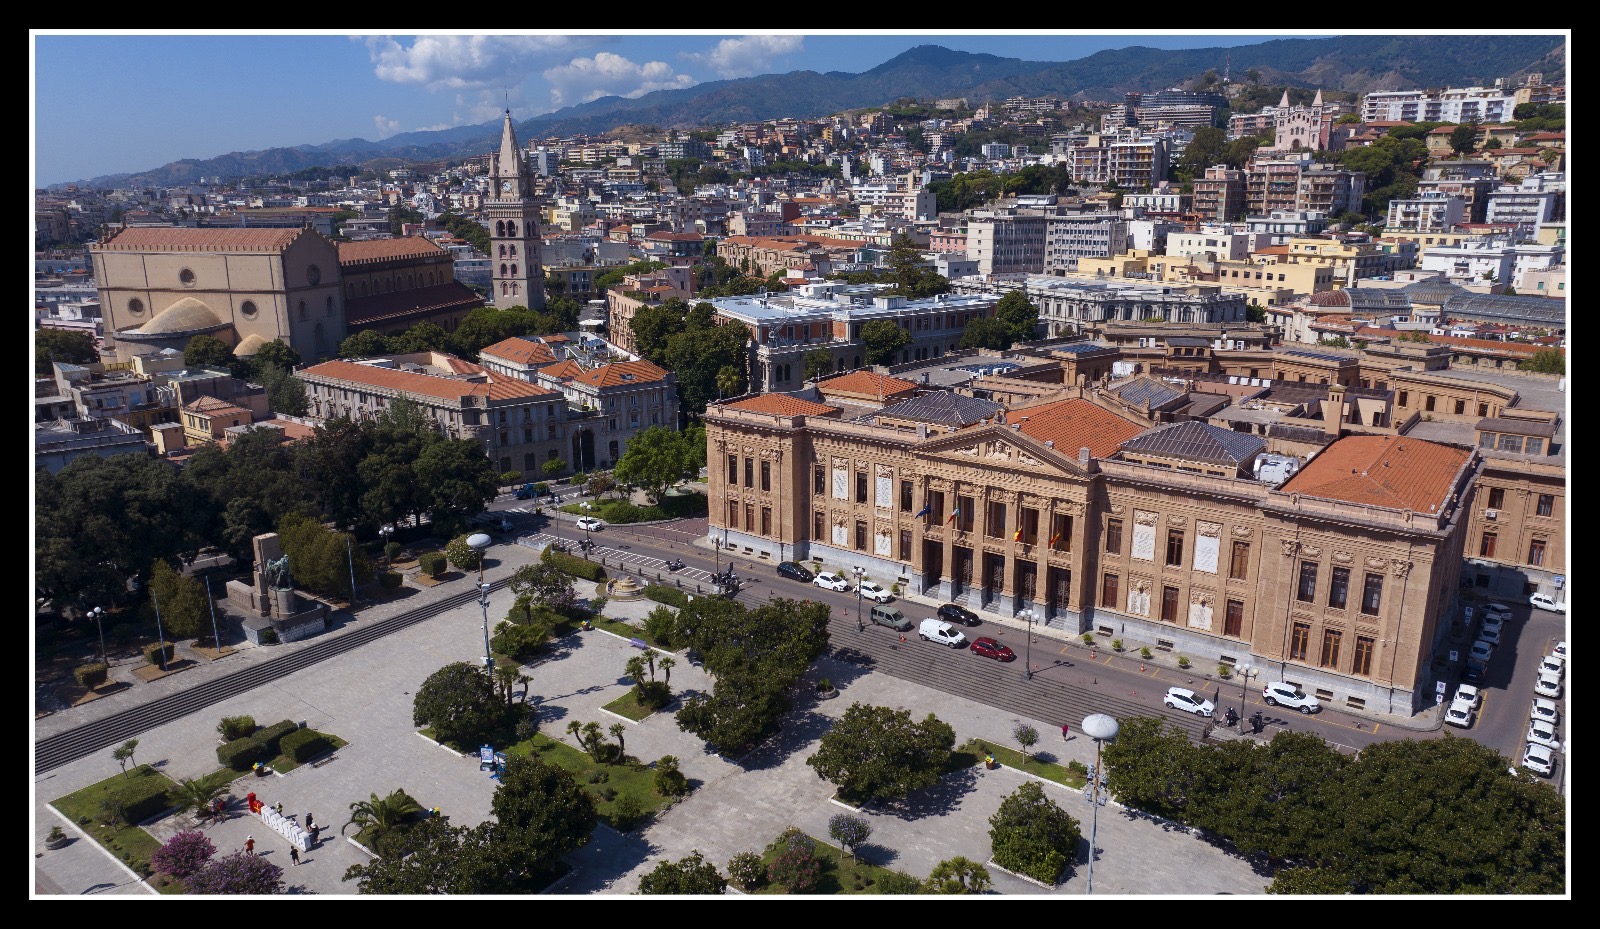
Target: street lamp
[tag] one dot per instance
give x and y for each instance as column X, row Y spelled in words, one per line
column 384, row 532
column 479, row 541
column 859, row 572
column 97, row 613
column 1101, row 728
column 1027, row 662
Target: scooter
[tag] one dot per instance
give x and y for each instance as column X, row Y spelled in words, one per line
column 674, row 564
column 1230, row 717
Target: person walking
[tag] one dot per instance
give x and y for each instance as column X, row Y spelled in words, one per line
column 1064, row 730
column 308, row 822
column 250, row 845
column 294, row 854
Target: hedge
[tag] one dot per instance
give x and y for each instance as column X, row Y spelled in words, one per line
column 91, row 675
column 273, row 735
column 389, row 579
column 576, row 567
column 141, row 797
column 236, row 727
column 671, row 596
column 241, row 753
column 432, row 563
column 158, row 653
column 304, row 744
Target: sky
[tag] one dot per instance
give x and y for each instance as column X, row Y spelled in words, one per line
column 123, row 102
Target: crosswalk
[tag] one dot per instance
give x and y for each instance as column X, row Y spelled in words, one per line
column 633, row 560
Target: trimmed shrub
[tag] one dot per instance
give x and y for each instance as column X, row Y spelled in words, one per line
column 432, row 563
column 236, row 727
column 158, row 653
column 671, row 596
column 391, row 550
column 240, row 754
column 272, row 736
column 745, row 868
column 576, row 567
column 389, row 580
column 140, row 797
column 269, row 636
column 91, row 675
column 304, row 744
column 627, row 812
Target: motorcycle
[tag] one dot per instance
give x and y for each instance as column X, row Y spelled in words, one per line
column 674, row 564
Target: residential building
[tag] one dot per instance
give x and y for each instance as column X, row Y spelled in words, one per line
column 612, row 403
column 59, row 442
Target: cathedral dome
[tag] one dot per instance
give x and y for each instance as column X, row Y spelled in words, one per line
column 1330, row 298
column 187, row 315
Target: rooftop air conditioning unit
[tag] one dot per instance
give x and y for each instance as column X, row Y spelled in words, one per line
column 1492, row 514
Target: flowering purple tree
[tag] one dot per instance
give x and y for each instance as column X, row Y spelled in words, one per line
column 237, row 874
column 183, row 854
column 796, row 867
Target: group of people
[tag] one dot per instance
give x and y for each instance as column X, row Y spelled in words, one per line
column 294, row 851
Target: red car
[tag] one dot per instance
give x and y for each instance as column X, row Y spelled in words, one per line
column 989, row 648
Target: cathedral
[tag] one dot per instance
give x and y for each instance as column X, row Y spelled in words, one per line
column 1301, row 127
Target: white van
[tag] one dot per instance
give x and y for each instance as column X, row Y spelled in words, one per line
column 934, row 630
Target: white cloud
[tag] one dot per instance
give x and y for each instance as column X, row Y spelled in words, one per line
column 751, row 54
column 386, row 126
column 583, row 79
column 470, row 61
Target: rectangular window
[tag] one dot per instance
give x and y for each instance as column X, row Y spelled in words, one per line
column 994, row 523
column 819, row 526
column 905, row 496
column 1330, row 648
column 1307, row 590
column 749, row 472
column 733, row 470
column 1339, row 588
column 1114, row 536
column 1027, row 531
column 766, row 520
column 1362, row 664
column 766, row 475
column 819, row 480
column 1175, row 547
column 1239, row 564
column 1486, row 547
column 1060, row 532
column 1536, row 552
column 733, row 514
column 1108, row 591
column 1427, row 403
column 861, row 535
column 1547, row 505
column 1461, row 407
column 1299, row 641
column 861, row 487
column 1483, row 409
column 964, row 521
column 749, row 517
column 1534, row 446
column 1405, row 398
column 1233, row 622
column 905, row 544
column 1169, row 604
column 1372, row 594
column 1497, row 497
column 935, row 507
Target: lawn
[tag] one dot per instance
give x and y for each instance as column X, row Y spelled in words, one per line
column 127, row 843
column 622, row 512
column 839, row 875
column 629, row 631
column 628, row 705
column 1012, row 758
column 631, row 779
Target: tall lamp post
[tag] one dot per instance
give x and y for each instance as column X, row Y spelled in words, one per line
column 161, row 637
column 1101, row 728
column 1244, row 688
column 479, row 541
column 98, row 613
column 1027, row 662
column 859, row 572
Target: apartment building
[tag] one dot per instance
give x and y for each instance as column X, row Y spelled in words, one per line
column 1447, row 105
column 1222, row 195
column 1078, row 304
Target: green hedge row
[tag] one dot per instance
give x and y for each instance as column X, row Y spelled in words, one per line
column 140, row 797
column 671, row 596
column 157, row 653
column 432, row 563
column 91, row 675
column 304, row 744
column 264, row 746
column 390, row 579
column 574, row 566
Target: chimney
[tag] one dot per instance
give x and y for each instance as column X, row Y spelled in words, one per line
column 1083, row 456
column 1049, row 443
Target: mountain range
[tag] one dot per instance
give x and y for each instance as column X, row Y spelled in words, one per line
column 1356, row 64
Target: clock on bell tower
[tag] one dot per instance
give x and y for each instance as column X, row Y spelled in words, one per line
column 513, row 218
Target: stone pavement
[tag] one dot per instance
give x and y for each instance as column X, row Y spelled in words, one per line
column 364, row 697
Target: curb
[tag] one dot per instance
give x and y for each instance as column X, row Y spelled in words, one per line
column 103, row 850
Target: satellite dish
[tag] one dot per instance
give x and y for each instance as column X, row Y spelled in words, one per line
column 479, row 541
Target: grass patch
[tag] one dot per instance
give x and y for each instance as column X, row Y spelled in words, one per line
column 629, row 779
column 622, row 512
column 629, row 631
column 629, row 705
column 127, row 843
column 839, row 874
column 1012, row 758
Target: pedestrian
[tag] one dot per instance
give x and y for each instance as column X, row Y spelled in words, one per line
column 308, row 822
column 1063, row 732
column 294, row 854
column 249, row 845
column 314, row 830
column 278, row 808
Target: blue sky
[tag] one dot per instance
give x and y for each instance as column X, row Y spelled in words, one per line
column 112, row 103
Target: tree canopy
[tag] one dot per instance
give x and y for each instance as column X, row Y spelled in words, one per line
column 655, row 460
column 882, row 339
column 459, row 702
column 691, row 875
column 881, row 753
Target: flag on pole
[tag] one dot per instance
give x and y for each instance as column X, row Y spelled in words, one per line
column 1054, row 539
column 926, row 507
column 1017, row 536
column 953, row 514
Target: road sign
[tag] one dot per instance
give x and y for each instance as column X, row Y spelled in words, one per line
column 1454, row 656
column 1560, row 581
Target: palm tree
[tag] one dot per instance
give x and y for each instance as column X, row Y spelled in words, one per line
column 383, row 814
column 197, row 795
column 120, row 755
column 667, row 664
column 618, row 730
column 505, row 678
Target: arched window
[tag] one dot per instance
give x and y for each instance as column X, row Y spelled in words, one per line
column 430, row 278
column 513, row 251
column 499, row 229
column 502, row 251
column 514, row 289
column 363, row 288
column 511, row 228
column 329, row 310
column 411, row 281
column 302, row 309
column 502, row 269
column 513, row 270
column 351, row 292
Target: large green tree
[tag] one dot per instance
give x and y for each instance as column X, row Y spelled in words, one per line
column 689, row 876
column 880, row 753
column 696, row 356
column 460, row 703
column 652, row 326
column 1545, row 361
column 1019, row 314
column 1030, row 835
column 181, row 601
column 540, row 814
column 882, row 339
column 52, row 345
column 988, row 332
column 368, row 343
column 208, row 351
column 320, row 559
column 655, row 460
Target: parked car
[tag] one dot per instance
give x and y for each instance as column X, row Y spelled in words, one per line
column 1459, row 713
column 989, row 648
column 1547, row 602
column 1490, row 621
column 1497, row 611
column 1544, row 711
column 525, row 492
column 1179, row 698
column 1542, row 734
column 959, row 615
column 1475, row 671
column 1481, row 650
column 1490, row 634
column 830, row 581
column 1468, row 694
column 937, row 630
column 1548, row 685
column 889, row 616
column 1560, row 649
column 873, row 592
column 1539, row 760
column 591, row 523
column 793, row 571
column 1281, row 694
column 1553, row 664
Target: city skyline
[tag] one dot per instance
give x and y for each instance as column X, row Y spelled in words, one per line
column 135, row 103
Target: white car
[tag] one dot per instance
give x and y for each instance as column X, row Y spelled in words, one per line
column 1490, row 621
column 873, row 592
column 1548, row 685
column 1281, row 694
column 1544, row 711
column 830, row 581
column 1481, row 650
column 1498, row 612
column 1468, row 694
column 1459, row 714
column 1547, row 602
column 1541, row 734
column 1553, row 664
column 1559, row 649
column 1490, row 634
column 1187, row 700
column 590, row 524
column 1539, row 760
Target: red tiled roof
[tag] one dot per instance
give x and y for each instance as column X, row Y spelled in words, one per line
column 381, row 249
column 420, row 300
column 1390, row 471
column 519, row 350
column 562, row 370
column 553, row 339
column 429, row 385
column 186, row 239
column 1073, row 424
column 1516, row 348
column 213, row 406
column 622, row 372
column 865, row 384
column 782, row 405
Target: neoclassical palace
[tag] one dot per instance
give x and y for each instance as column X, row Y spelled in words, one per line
column 1337, row 574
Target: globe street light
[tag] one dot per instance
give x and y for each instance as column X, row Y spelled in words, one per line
column 479, row 541
column 1027, row 662
column 861, row 624
column 1101, row 728
column 97, row 613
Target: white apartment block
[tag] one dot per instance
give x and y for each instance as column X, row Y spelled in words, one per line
column 1279, row 226
column 1069, row 306
column 1220, row 243
column 1085, row 235
column 1006, row 243
column 1524, row 207
column 1452, row 105
column 1469, row 265
column 1430, row 212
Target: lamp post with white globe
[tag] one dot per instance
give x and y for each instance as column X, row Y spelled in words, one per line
column 1101, row 728
column 479, row 541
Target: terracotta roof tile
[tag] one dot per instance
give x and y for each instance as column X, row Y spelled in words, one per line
column 622, row 372
column 186, row 239
column 519, row 350
column 428, row 385
column 417, row 301
column 1397, row 472
column 213, row 406
column 1073, row 424
column 782, row 405
column 562, row 370
column 865, row 384
column 381, row 249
